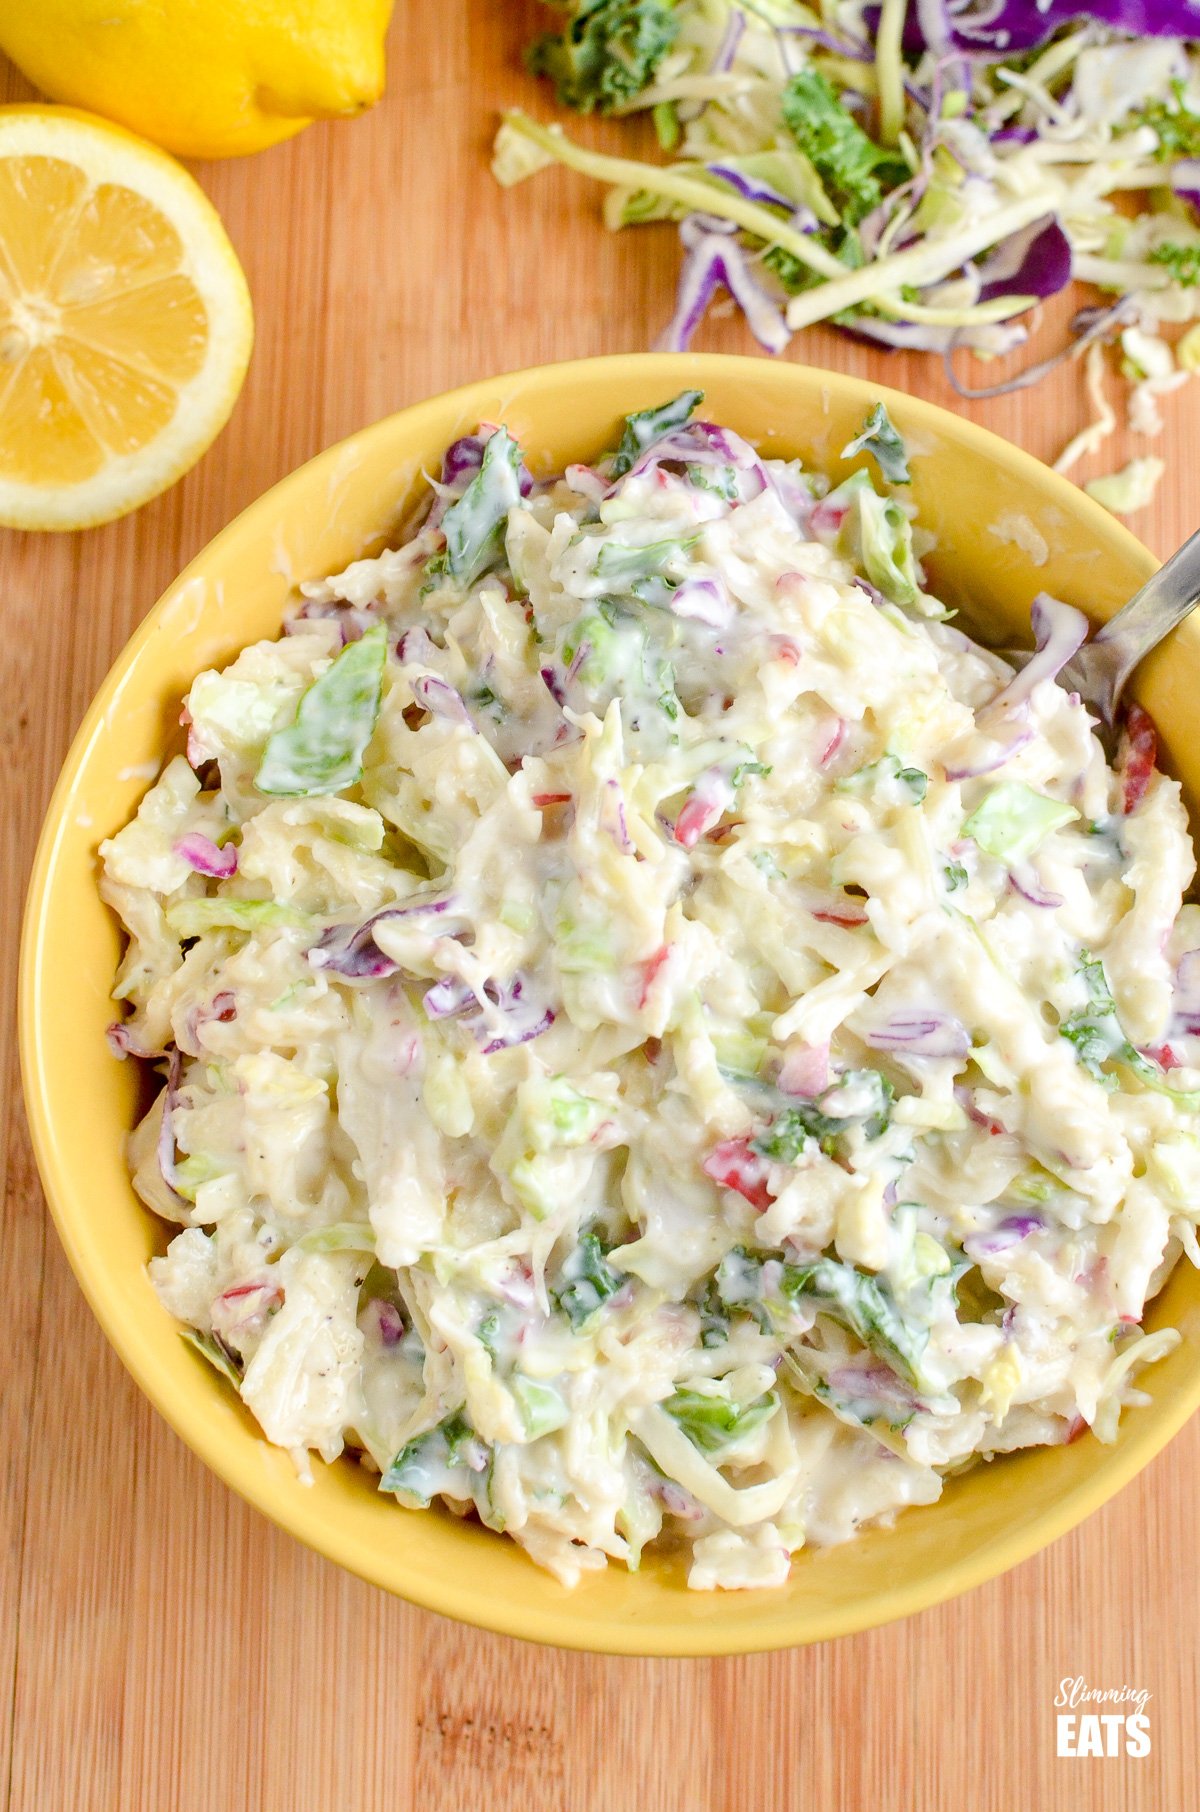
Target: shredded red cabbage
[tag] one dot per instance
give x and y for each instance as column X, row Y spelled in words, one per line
column 752, row 188
column 1025, row 880
column 716, row 261
column 999, row 337
column 1034, row 262
column 1059, row 632
column 1010, row 1232
column 1016, row 25
column 351, row 951
column 416, row 645
column 521, row 1019
column 985, row 754
column 122, row 1043
column 874, row 1383
column 612, row 817
column 206, row 857
column 462, row 460
column 439, row 696
column 700, row 443
column 1100, row 323
column 352, row 620
column 922, row 1034
column 220, row 1010
column 448, row 998
column 705, row 601
column 166, row 1130
column 553, row 685
column 1185, row 180
column 1185, row 1020
column 727, row 48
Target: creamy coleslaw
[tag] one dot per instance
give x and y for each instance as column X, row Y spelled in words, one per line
column 666, row 1040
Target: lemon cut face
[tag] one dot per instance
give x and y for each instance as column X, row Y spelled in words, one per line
column 125, row 320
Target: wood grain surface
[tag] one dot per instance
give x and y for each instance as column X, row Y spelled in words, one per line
column 162, row 1648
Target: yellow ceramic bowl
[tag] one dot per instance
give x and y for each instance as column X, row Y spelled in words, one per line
column 976, row 493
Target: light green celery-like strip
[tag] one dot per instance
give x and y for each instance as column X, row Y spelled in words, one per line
column 971, row 314
column 1132, row 176
column 889, row 70
column 700, row 197
column 917, row 266
column 1033, row 92
column 684, row 88
column 1121, row 274
column 1046, row 67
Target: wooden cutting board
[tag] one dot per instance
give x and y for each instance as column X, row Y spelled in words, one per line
column 162, row 1648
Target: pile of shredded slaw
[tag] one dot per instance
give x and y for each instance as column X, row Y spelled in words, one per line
column 666, row 1042
column 922, row 175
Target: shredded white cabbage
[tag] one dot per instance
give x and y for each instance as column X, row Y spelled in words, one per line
column 666, row 1040
column 1130, row 489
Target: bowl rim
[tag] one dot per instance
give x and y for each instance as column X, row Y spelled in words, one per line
column 571, row 1628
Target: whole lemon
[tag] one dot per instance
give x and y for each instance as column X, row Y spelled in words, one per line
column 204, row 78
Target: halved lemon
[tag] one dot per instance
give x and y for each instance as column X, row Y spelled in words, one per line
column 125, row 320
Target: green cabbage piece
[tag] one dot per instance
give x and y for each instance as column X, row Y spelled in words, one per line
column 589, row 1281
column 200, row 1167
column 435, row 1461
column 556, row 1114
column 1098, row 1038
column 885, row 547
column 192, row 918
column 341, row 1236
column 880, row 438
column 782, row 169
column 841, row 153
column 608, row 635
column 713, row 1422
column 640, row 571
column 322, row 750
column 714, row 1321
column 876, row 534
column 863, row 1305
column 217, row 1354
column 645, row 426
column 913, row 781
column 667, row 128
column 806, row 1122
column 542, row 1407
column 1095, row 1033
column 789, row 172
column 1013, row 821
column 607, row 53
column 474, row 524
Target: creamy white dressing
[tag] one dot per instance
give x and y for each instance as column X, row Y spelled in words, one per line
column 683, row 1054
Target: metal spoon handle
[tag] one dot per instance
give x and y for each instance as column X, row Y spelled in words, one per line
column 1163, row 601
column 1171, row 594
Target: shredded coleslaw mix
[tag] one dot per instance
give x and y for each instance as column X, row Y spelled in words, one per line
column 666, row 1040
column 921, row 173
